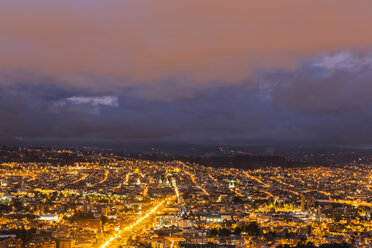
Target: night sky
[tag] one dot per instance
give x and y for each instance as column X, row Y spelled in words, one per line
column 209, row 71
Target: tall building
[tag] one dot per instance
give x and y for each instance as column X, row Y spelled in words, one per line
column 180, row 199
column 303, row 203
column 307, row 203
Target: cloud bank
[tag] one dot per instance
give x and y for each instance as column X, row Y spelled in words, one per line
column 319, row 103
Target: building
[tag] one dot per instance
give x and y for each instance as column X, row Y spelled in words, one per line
column 307, row 203
column 90, row 224
column 66, row 243
column 10, row 242
column 41, row 244
column 105, row 210
column 167, row 220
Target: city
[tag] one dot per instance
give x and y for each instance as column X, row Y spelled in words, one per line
column 126, row 202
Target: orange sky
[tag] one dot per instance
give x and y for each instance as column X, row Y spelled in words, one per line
column 201, row 41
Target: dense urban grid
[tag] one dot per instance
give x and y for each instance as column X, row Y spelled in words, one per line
column 132, row 202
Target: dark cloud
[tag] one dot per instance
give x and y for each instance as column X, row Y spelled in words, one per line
column 326, row 101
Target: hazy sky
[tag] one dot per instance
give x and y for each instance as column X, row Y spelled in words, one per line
column 212, row 71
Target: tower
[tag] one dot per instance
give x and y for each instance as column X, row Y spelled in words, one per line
column 303, row 199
